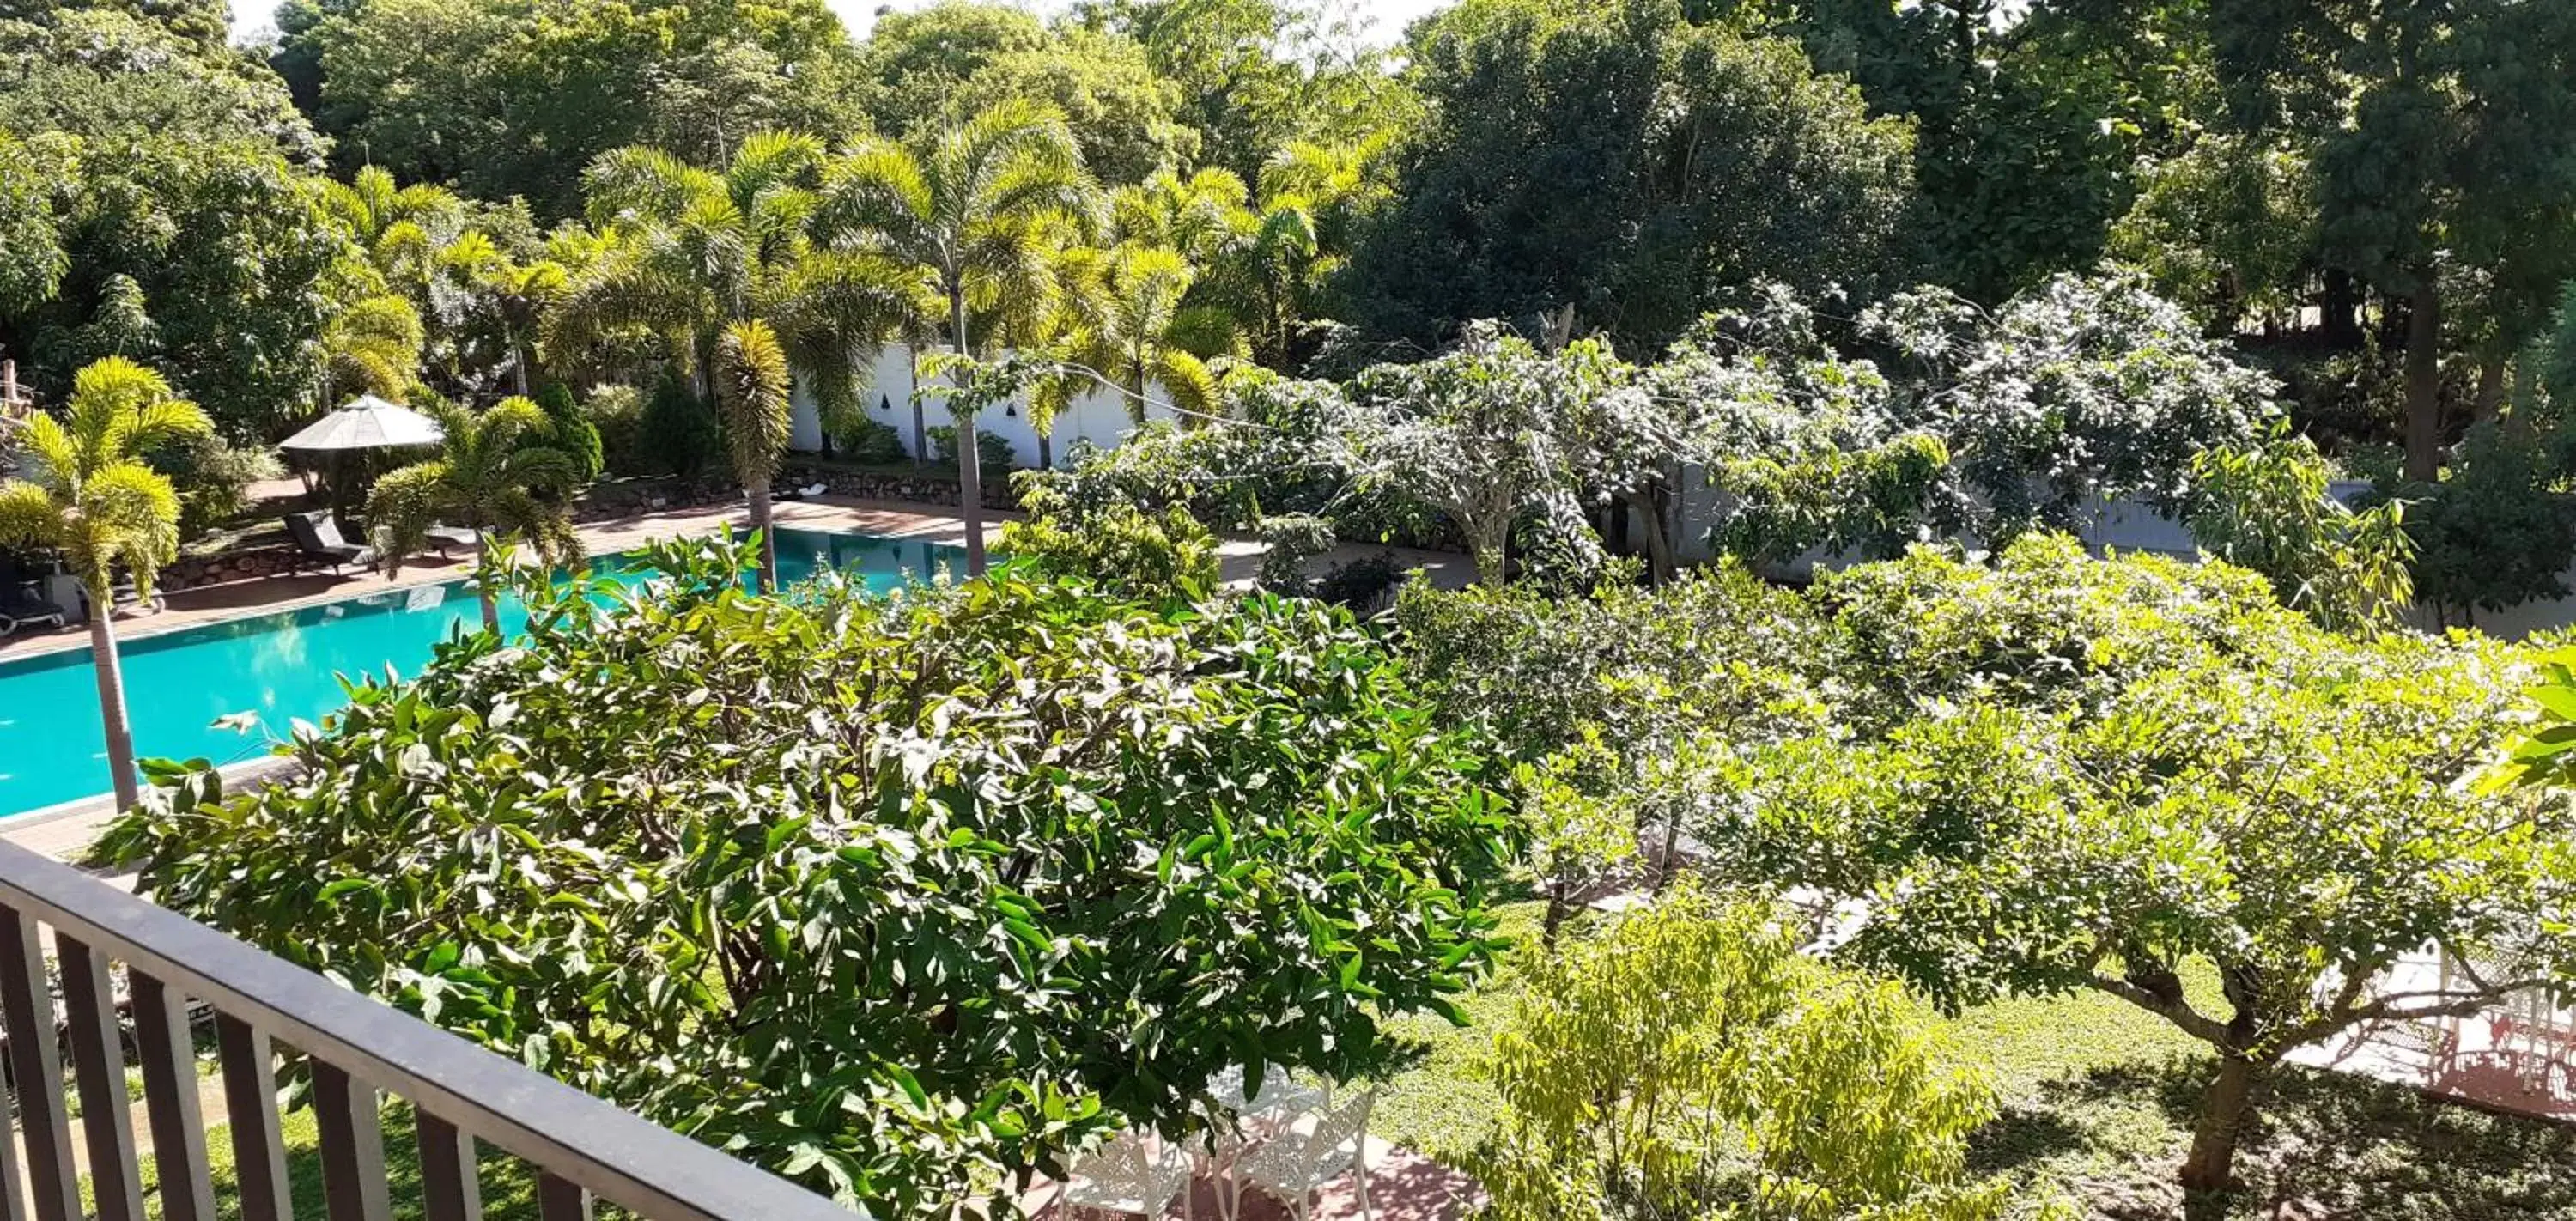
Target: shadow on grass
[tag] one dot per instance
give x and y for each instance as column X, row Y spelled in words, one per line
column 2322, row 1145
column 2020, row 1136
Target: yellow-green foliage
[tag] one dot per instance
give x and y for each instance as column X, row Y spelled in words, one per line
column 1687, row 1061
column 1119, row 548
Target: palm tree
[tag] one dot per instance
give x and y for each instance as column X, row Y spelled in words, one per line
column 95, row 500
column 751, row 394
column 1130, row 324
column 972, row 212
column 496, row 474
column 693, row 254
column 507, row 297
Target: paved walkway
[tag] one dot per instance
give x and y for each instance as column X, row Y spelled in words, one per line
column 1402, row 1186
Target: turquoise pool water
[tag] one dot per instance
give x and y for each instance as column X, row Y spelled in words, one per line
column 286, row 665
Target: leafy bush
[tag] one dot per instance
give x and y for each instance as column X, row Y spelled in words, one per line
column 1152, row 556
column 1284, row 456
column 2266, row 507
column 2497, row 531
column 1687, row 1061
column 1361, row 584
column 992, row 450
column 1287, row 543
column 679, row 433
column 875, row 443
column 2081, row 388
column 213, row 477
column 574, row 433
column 896, row 896
column 616, row 410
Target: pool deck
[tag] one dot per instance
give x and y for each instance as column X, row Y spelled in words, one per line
column 63, row 831
column 277, row 593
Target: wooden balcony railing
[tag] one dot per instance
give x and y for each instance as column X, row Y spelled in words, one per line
column 579, row 1147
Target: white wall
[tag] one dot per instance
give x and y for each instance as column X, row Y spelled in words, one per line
column 1099, row 416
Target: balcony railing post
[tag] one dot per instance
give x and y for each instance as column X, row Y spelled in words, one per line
column 98, row 1063
column 162, row 1040
column 560, row 1199
column 250, row 1097
column 449, row 1190
column 353, row 1146
column 36, row 1061
column 582, row 1147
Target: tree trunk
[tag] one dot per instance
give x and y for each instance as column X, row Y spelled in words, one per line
column 2490, row 388
column 2340, row 311
column 2424, row 381
column 757, row 493
column 519, row 366
column 1046, row 448
column 483, row 590
column 2223, row 1109
column 920, row 426
column 110, row 671
column 970, row 472
column 1492, row 555
column 1648, row 520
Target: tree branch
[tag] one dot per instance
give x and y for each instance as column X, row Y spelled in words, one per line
column 2179, row 1012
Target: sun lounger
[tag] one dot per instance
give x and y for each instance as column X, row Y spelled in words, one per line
column 317, row 537
column 22, row 606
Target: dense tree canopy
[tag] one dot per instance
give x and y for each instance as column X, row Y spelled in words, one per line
column 167, row 215
column 1053, row 860
column 514, row 98
column 1620, row 163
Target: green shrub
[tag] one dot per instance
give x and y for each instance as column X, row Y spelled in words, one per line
column 1288, row 542
column 1687, row 1061
column 616, row 410
column 872, row 443
column 1122, row 548
column 213, row 477
column 574, row 432
column 679, row 433
column 1361, row 584
column 820, row 896
column 993, row 451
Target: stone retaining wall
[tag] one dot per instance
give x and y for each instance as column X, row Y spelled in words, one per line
column 222, row 566
column 925, row 486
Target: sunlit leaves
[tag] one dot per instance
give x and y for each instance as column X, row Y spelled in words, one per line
column 901, row 895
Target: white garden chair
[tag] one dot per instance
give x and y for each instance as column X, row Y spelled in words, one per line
column 1292, row 1165
column 1134, row 1174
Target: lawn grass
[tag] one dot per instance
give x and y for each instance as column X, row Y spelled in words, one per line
column 2097, row 1098
column 509, row 1186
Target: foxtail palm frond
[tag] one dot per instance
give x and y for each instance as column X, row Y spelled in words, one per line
column 28, row 516
column 752, row 393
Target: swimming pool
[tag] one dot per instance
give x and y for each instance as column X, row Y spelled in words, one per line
column 285, row 665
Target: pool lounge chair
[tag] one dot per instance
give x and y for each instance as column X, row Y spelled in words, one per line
column 444, row 537
column 317, row 537
column 22, row 606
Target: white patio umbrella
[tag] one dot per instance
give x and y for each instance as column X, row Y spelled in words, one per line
column 366, row 422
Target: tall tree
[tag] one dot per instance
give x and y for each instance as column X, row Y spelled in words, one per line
column 2443, row 136
column 188, row 230
column 751, row 395
column 497, row 473
column 1618, row 162
column 96, row 501
column 516, row 97
column 938, row 67
column 695, row 254
column 971, row 209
